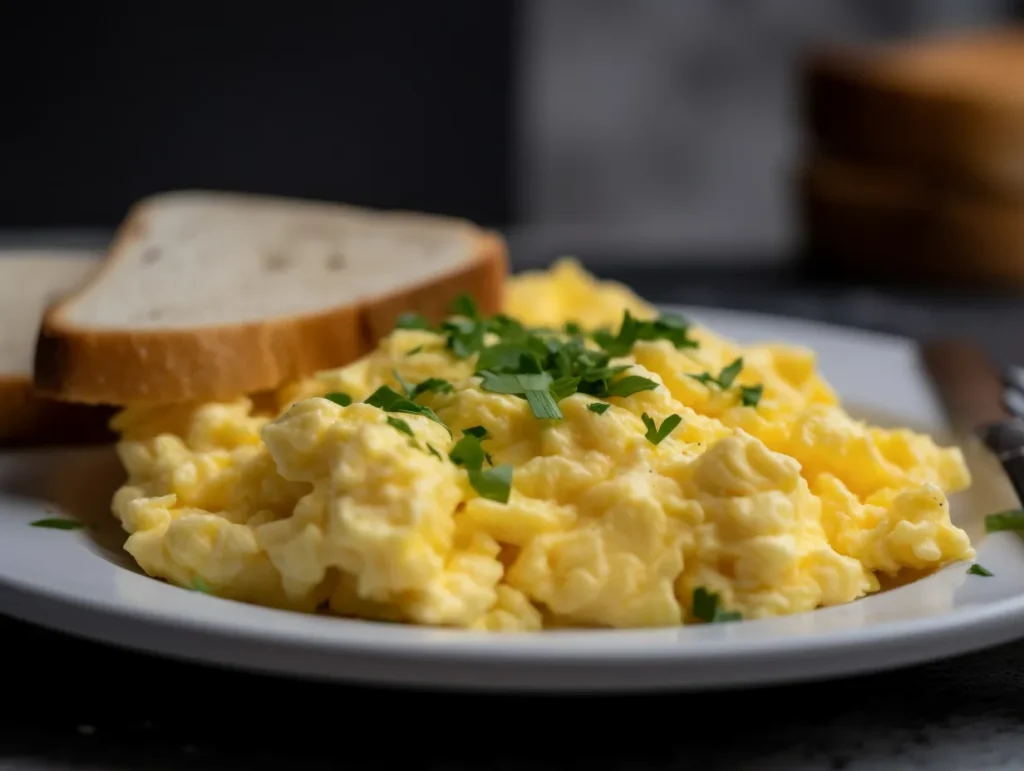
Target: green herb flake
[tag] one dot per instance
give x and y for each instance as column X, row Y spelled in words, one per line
column 200, row 585
column 464, row 305
column 478, row 431
column 729, row 373
column 534, row 387
column 978, row 570
column 706, row 607
column 1005, row 520
column 401, row 425
column 750, row 396
column 629, row 385
column 494, row 484
column 59, row 524
column 432, row 385
column 433, row 451
column 413, row 321
column 655, row 434
column 599, row 407
column 465, row 337
column 572, row 328
column 339, row 398
column 671, row 327
column 387, row 399
column 414, row 351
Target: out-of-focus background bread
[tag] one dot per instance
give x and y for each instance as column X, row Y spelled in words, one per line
column 30, row 281
column 915, row 161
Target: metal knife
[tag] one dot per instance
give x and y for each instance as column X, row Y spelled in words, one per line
column 981, row 401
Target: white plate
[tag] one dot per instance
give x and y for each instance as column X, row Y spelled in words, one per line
column 80, row 581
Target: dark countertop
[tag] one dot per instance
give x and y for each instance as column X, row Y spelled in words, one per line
column 82, row 705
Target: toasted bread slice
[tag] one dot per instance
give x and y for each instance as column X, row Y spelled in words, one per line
column 878, row 223
column 30, row 280
column 208, row 295
column 951, row 107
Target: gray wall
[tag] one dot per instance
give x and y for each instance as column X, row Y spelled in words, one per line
column 667, row 126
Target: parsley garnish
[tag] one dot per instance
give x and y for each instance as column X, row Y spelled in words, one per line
column 669, row 327
column 59, row 524
column 572, row 328
column 599, row 407
column 200, row 585
column 540, row 391
column 433, row 451
column 725, row 378
column 430, row 385
column 387, row 399
column 494, row 483
column 629, row 385
column 750, row 396
column 706, row 607
column 339, row 398
column 656, row 435
column 978, row 570
column 1005, row 520
column 414, row 351
column 401, row 425
column 464, row 305
column 413, row 321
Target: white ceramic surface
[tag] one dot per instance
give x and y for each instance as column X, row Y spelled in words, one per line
column 80, row 581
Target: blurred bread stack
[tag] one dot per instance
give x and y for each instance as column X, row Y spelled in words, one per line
column 915, row 161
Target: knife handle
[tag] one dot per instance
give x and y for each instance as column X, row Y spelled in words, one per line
column 1006, row 440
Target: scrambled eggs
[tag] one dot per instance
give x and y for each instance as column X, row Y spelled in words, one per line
column 707, row 482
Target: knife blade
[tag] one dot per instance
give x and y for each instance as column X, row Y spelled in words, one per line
column 972, row 391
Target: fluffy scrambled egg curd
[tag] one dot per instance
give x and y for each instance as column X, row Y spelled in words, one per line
column 564, row 464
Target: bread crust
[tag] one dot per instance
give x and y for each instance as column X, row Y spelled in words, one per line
column 865, row 106
column 29, row 421
column 881, row 224
column 118, row 367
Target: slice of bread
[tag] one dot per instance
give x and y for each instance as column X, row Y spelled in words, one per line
column 949, row 107
column 30, row 280
column 209, row 295
column 878, row 223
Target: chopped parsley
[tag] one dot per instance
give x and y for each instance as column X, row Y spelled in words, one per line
column 413, row 321
column 200, row 585
column 401, row 425
column 59, row 524
column 541, row 392
column 463, row 305
column 430, row 385
column 669, row 327
column 656, row 434
column 339, row 398
column 389, row 400
column 414, row 351
column 725, row 378
column 750, row 395
column 629, row 385
column 1005, row 520
column 978, row 570
column 599, row 407
column 433, row 451
column 707, row 608
column 493, row 483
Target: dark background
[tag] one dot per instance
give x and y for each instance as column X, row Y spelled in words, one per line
column 394, row 104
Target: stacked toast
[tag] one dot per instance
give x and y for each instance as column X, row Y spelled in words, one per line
column 207, row 296
column 916, row 161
